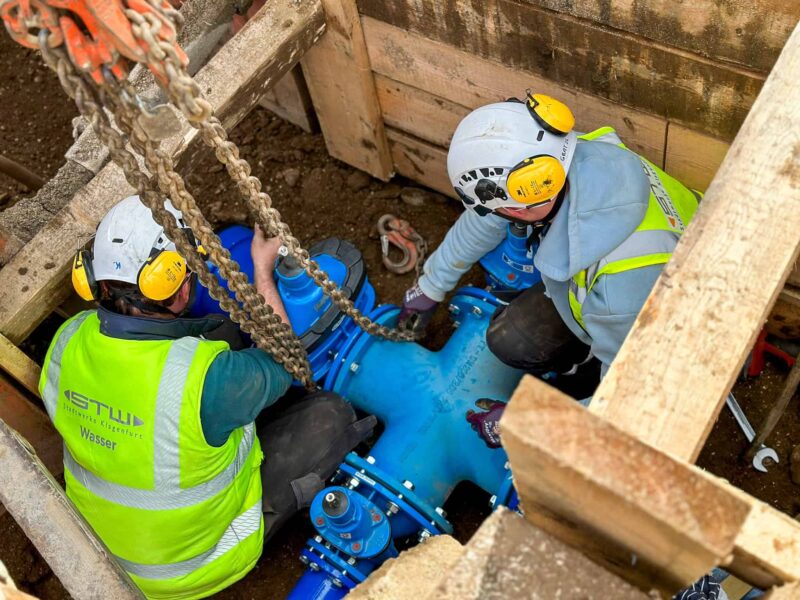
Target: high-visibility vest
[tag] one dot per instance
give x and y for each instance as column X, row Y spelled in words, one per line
column 183, row 518
column 671, row 206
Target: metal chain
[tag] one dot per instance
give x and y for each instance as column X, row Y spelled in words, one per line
column 249, row 310
column 186, row 95
column 89, row 103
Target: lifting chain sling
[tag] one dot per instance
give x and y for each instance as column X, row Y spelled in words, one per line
column 93, row 73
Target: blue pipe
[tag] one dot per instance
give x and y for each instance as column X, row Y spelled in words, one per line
column 509, row 267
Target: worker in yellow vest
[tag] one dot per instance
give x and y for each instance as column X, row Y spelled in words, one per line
column 606, row 221
column 157, row 413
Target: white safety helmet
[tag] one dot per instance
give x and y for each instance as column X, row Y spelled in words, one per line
column 129, row 246
column 512, row 154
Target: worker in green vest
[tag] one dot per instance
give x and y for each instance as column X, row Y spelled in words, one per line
column 157, row 413
column 606, row 219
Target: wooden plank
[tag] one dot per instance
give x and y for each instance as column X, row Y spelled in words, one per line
column 470, row 81
column 786, row 592
column 693, row 157
column 32, row 423
column 289, row 99
column 419, row 113
column 420, row 161
column 749, row 33
column 510, row 558
column 63, row 537
column 694, row 91
column 339, row 77
column 677, row 523
column 682, row 355
column 677, row 520
column 17, row 364
column 35, row 281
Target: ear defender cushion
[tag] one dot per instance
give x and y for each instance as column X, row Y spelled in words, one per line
column 162, row 275
column 536, row 180
column 550, row 114
column 83, row 276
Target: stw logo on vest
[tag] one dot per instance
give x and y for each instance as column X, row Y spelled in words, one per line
column 102, row 409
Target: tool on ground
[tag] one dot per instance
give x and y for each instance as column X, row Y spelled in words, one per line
column 399, row 233
column 777, row 410
column 763, row 452
column 92, row 71
column 757, row 359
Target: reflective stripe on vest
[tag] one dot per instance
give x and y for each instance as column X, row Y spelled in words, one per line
column 166, row 493
column 246, row 524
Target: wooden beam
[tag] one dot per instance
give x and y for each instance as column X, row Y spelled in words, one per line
column 693, row 157
column 289, row 99
column 749, row 33
column 510, row 558
column 64, row 539
column 339, row 77
column 35, row 281
column 785, row 592
column 625, row 69
column 467, row 80
column 17, row 364
column 670, row 378
column 420, row 161
column 587, row 481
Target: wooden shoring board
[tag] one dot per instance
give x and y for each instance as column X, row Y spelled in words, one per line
column 749, row 33
column 672, row 374
column 19, row 365
column 420, row 161
column 690, row 89
column 693, row 157
column 602, row 490
column 268, row 46
column 470, row 81
column 289, row 99
column 340, row 80
column 80, row 560
column 510, row 558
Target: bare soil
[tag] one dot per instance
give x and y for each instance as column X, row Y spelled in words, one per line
column 319, row 197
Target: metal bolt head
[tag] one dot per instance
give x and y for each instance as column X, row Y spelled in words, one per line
column 337, row 583
column 424, row 535
column 353, row 367
column 440, row 512
column 408, row 485
column 304, row 559
column 493, row 501
column 371, row 460
column 313, row 566
column 318, row 539
column 454, row 309
column 351, row 561
column 393, row 508
column 477, row 311
column 353, row 483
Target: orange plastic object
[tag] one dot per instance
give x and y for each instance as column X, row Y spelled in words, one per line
column 97, row 33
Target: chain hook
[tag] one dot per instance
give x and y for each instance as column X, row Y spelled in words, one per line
column 400, row 234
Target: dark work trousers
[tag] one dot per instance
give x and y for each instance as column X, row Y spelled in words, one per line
column 303, row 440
column 529, row 334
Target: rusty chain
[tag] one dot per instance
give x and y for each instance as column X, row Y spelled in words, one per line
column 130, row 114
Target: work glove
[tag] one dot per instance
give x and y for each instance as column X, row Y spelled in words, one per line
column 487, row 422
column 417, row 310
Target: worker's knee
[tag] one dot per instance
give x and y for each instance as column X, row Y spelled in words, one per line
column 515, row 347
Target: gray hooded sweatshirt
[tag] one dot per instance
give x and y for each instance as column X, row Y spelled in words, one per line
column 606, row 200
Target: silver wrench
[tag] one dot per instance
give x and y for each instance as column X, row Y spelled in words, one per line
column 764, row 452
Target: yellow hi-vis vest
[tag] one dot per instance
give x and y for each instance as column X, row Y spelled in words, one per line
column 671, row 207
column 183, row 518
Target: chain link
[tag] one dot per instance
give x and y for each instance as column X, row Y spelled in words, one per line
column 248, row 310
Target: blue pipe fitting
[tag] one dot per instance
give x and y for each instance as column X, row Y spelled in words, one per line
column 320, row 325
column 509, row 267
column 351, row 523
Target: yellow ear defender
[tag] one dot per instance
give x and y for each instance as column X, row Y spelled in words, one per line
column 83, row 276
column 537, row 179
column 552, row 115
column 162, row 274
